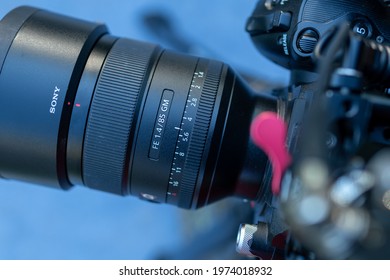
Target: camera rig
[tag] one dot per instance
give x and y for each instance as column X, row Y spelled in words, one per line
column 333, row 200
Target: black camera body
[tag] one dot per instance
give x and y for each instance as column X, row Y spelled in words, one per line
column 287, row 32
column 336, row 112
column 79, row 106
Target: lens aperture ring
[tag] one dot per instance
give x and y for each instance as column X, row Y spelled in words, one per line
column 111, row 116
column 196, row 144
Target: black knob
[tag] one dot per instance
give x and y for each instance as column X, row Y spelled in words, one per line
column 307, row 41
column 272, row 22
column 362, row 28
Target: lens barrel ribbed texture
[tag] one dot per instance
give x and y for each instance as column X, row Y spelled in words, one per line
column 111, row 116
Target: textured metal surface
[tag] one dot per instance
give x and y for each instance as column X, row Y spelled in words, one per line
column 244, row 237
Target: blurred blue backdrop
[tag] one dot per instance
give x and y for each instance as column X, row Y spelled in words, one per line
column 41, row 223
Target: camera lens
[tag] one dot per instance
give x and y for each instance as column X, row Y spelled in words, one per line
column 81, row 107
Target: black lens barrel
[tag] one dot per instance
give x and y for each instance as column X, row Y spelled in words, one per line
column 45, row 55
column 81, row 107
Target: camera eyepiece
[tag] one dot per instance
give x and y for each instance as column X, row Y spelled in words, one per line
column 81, row 107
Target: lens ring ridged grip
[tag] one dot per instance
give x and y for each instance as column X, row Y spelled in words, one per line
column 111, row 116
column 199, row 134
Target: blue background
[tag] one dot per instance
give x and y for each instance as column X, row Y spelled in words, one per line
column 43, row 223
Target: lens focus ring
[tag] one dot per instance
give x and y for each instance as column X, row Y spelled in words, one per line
column 112, row 113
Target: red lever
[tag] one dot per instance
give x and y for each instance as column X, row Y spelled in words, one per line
column 269, row 132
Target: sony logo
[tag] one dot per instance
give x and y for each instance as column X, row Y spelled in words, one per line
column 54, row 100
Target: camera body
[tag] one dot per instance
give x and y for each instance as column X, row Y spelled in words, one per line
column 336, row 129
column 288, row 31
